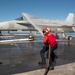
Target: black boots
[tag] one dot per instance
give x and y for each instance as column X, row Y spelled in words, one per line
column 52, row 67
column 43, row 62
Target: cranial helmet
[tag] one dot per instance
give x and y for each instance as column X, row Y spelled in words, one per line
column 46, row 30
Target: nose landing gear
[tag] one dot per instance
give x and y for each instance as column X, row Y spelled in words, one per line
column 69, row 38
column 31, row 38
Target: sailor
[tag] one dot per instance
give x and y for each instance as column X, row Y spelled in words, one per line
column 49, row 40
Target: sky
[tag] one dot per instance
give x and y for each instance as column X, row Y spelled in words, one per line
column 47, row 9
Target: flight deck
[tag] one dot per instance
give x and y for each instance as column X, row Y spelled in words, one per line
column 22, row 58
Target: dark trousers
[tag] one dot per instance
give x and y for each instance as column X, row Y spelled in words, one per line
column 46, row 49
column 42, row 52
column 52, row 55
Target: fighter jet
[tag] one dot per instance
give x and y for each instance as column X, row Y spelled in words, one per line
column 22, row 23
column 30, row 23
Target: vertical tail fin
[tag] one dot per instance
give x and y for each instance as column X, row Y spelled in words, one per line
column 70, row 18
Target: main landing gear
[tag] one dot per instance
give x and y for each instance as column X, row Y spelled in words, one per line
column 69, row 38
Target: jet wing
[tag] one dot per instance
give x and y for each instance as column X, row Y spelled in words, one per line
column 29, row 26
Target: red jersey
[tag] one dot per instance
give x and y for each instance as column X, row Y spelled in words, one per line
column 50, row 39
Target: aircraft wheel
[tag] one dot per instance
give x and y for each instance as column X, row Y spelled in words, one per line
column 70, row 38
column 31, row 38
